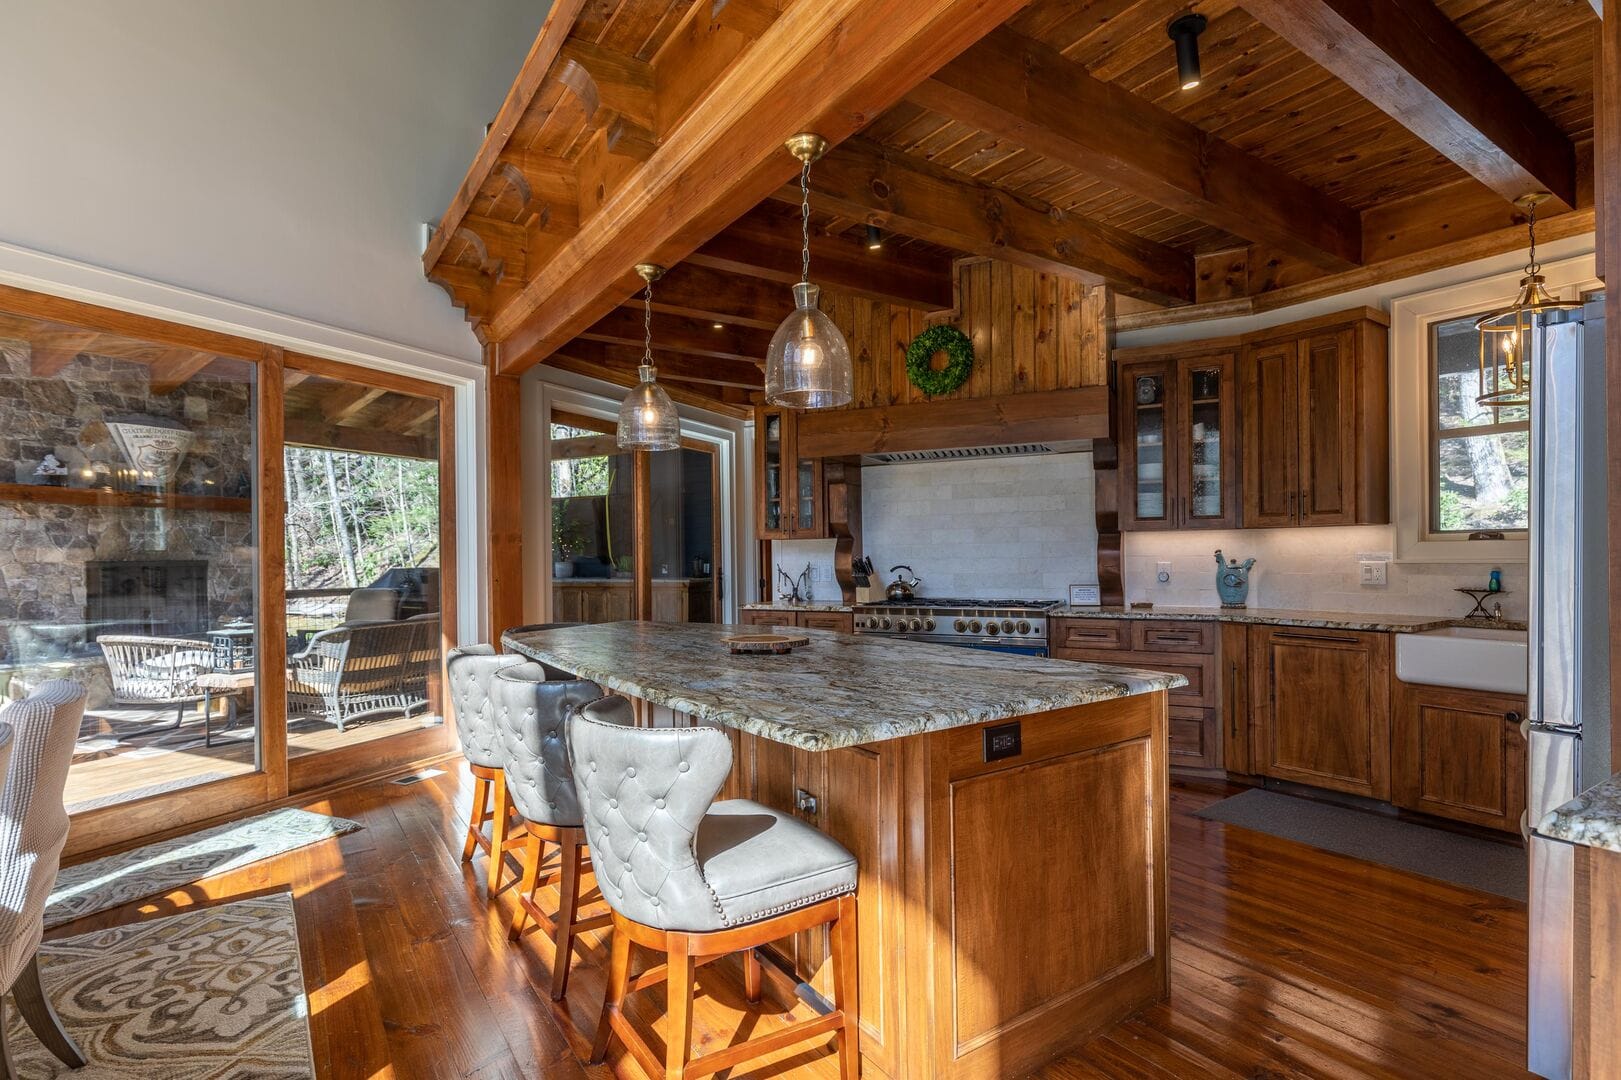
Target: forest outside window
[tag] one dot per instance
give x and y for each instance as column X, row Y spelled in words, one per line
column 1479, row 475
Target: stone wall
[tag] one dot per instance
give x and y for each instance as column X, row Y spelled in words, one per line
column 44, row 547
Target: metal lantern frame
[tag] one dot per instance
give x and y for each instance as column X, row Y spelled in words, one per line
column 1506, row 335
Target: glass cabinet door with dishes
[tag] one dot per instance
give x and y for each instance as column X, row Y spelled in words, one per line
column 1178, row 453
column 789, row 485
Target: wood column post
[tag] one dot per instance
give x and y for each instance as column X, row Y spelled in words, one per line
column 642, row 494
column 1607, row 201
column 504, row 491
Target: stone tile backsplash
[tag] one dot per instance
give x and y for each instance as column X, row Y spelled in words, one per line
column 1309, row 568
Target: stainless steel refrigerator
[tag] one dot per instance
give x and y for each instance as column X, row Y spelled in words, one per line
column 1568, row 715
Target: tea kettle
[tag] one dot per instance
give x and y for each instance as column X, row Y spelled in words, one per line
column 901, row 588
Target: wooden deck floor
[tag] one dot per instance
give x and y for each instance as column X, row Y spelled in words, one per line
column 1286, row 962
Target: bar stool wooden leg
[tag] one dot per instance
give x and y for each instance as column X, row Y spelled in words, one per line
column 846, row 987
column 618, row 982
column 751, row 975
column 568, row 906
column 534, row 853
column 475, row 816
column 498, row 831
column 678, row 992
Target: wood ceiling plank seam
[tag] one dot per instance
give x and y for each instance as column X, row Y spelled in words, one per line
column 1131, row 21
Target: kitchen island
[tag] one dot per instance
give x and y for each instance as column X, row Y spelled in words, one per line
column 1008, row 813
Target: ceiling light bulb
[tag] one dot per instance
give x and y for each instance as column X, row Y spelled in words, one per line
column 875, row 238
column 1185, row 31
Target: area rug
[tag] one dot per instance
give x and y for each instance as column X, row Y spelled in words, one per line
column 171, row 864
column 209, row 994
column 1433, row 853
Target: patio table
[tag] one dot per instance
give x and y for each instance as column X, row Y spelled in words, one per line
column 226, row 684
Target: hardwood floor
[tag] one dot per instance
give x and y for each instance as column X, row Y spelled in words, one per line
column 1286, row 962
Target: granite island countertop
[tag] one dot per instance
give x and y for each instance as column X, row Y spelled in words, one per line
column 840, row 690
column 1592, row 819
column 1326, row 620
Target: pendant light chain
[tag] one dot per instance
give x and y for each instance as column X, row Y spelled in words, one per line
column 647, row 324
column 804, row 220
column 1531, row 228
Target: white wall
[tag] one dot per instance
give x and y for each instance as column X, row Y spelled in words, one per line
column 283, row 155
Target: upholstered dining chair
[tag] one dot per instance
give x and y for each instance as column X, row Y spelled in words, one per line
column 471, row 670
column 698, row 879
column 532, row 714
column 33, row 828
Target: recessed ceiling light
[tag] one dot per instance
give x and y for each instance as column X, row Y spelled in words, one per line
column 875, row 238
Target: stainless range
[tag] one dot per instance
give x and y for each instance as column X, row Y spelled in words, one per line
column 1010, row 626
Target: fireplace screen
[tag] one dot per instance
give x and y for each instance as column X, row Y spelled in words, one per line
column 160, row 599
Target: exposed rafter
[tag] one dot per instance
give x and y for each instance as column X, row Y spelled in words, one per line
column 1410, row 60
column 908, row 195
column 677, row 333
column 1012, row 87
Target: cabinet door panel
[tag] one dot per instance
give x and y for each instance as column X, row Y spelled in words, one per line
column 1459, row 754
column 1328, row 429
column 1193, row 737
column 1207, row 430
column 771, row 495
column 827, row 620
column 1148, row 422
column 1327, row 722
column 1271, row 452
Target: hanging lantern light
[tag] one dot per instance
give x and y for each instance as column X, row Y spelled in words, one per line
column 1506, row 341
column 647, row 416
column 808, row 363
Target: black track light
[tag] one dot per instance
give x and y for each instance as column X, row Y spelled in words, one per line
column 1185, row 31
column 875, row 238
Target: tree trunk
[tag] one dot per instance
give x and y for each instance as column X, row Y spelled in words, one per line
column 340, row 525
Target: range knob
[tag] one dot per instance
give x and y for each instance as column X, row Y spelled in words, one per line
column 961, row 626
column 991, row 628
column 900, row 626
column 917, row 624
column 973, row 627
column 928, row 624
column 1024, row 627
column 884, row 622
column 1007, row 626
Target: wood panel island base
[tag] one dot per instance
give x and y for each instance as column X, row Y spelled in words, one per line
column 1008, row 813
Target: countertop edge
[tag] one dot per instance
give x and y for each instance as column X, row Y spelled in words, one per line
column 1376, row 622
column 1592, row 819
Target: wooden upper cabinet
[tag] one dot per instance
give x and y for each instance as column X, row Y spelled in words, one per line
column 1178, row 439
column 1316, row 424
column 788, row 487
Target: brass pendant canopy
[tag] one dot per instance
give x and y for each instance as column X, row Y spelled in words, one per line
column 807, row 365
column 647, row 416
column 1507, row 335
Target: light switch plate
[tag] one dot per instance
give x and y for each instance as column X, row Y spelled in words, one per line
column 1374, row 572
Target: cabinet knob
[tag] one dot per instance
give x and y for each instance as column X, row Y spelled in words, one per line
column 804, row 802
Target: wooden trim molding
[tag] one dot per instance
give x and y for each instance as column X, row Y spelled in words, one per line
column 1055, row 416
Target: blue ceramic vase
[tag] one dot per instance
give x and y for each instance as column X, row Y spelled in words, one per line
column 1232, row 580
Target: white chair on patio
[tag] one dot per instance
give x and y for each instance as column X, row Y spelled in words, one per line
column 353, row 671
column 33, row 828
column 156, row 670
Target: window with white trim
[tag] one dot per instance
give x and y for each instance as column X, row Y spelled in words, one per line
column 1479, row 461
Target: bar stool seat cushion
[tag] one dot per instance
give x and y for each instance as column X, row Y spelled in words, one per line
column 761, row 862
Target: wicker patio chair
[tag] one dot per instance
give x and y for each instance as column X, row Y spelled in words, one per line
column 156, row 670
column 353, row 671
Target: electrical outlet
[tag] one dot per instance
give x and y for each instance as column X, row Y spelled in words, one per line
column 1162, row 571
column 1374, row 572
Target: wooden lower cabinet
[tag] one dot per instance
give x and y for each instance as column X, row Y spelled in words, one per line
column 1320, row 707
column 613, row 600
column 1458, row 754
column 842, row 621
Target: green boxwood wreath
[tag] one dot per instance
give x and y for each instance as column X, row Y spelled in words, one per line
column 959, row 360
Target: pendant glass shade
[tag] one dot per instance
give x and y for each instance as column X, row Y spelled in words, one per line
column 647, row 417
column 808, row 363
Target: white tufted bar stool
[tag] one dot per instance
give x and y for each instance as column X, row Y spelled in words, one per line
column 531, row 713
column 698, row 880
column 471, row 670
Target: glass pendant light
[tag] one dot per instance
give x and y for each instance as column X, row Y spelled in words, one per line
column 808, row 363
column 1506, row 340
column 647, row 416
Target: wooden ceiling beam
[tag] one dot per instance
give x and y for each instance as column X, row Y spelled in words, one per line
column 1014, row 88
column 52, row 350
column 677, row 333
column 303, row 431
column 823, row 65
column 532, row 76
column 767, row 247
column 731, row 402
column 699, row 292
column 343, row 403
column 175, row 368
column 1413, row 63
column 708, row 371
column 907, row 195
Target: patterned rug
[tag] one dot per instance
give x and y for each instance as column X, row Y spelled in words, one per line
column 170, row 864
column 211, row 994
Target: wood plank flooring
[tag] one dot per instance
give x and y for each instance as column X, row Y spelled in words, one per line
column 1286, row 962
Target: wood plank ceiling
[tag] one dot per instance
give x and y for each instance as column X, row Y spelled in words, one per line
column 1331, row 144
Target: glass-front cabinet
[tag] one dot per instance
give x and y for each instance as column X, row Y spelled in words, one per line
column 1178, row 452
column 789, row 493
